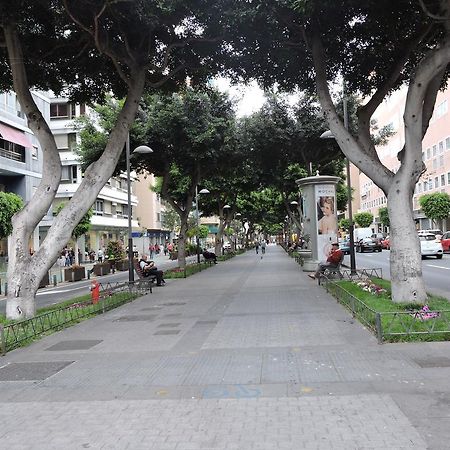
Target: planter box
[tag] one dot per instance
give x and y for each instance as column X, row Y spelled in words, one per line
column 76, row 274
column 102, row 269
column 122, row 264
column 45, row 281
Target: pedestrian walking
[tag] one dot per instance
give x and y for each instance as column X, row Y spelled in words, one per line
column 257, row 247
column 263, row 247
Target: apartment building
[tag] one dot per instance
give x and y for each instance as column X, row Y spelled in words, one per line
column 149, row 211
column 20, row 154
column 435, row 154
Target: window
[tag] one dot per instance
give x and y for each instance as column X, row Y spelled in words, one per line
column 98, row 208
column 434, row 150
column 441, row 109
column 425, row 186
column 423, row 156
column 34, row 152
column 420, row 187
column 73, row 112
column 447, row 143
column 442, row 180
column 125, row 210
column 441, row 161
column 436, row 182
column 72, row 141
column 435, row 163
column 441, row 147
column 69, row 174
column 428, row 153
column 158, row 217
column 59, row 110
column 448, row 178
column 430, row 184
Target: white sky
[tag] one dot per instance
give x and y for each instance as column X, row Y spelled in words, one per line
column 249, row 98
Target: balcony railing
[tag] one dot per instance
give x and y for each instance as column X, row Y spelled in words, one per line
column 12, row 155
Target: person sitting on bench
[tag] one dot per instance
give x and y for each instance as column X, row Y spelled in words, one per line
column 334, row 259
column 210, row 256
column 148, row 268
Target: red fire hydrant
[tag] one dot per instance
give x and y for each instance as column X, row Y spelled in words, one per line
column 95, row 291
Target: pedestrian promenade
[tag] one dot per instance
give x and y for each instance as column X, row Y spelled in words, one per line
column 249, row 354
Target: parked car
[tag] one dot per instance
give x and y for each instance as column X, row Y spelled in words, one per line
column 378, row 236
column 385, row 243
column 344, row 246
column 437, row 233
column 368, row 244
column 430, row 246
column 445, row 241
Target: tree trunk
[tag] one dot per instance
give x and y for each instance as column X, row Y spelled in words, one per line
column 219, row 237
column 405, row 257
column 182, row 241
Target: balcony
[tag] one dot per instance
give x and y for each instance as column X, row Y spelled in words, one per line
column 11, row 154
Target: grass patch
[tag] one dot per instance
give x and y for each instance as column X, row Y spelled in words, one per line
column 400, row 322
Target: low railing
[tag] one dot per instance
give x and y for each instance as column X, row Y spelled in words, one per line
column 391, row 326
column 111, row 296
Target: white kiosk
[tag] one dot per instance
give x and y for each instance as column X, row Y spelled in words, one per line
column 319, row 216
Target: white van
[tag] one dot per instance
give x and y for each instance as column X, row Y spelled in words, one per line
column 362, row 233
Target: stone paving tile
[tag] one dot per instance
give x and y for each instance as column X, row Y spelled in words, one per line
column 291, row 423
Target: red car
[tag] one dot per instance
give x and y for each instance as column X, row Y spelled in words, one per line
column 385, row 243
column 445, row 241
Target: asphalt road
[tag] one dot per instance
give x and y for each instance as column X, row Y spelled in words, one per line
column 436, row 272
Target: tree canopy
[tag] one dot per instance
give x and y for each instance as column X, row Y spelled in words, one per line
column 9, row 204
column 435, row 206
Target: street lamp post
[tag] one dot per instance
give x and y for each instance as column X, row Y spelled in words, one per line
column 203, row 191
column 142, row 149
column 329, row 135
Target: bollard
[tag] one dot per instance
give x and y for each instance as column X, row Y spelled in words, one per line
column 54, row 280
column 6, row 288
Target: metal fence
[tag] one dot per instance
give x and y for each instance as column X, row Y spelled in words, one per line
column 111, row 296
column 392, row 326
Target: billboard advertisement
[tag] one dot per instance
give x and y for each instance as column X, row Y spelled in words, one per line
column 327, row 227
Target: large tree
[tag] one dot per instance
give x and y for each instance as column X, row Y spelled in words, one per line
column 376, row 46
column 192, row 135
column 89, row 47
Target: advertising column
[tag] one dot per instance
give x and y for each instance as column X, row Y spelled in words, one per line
column 327, row 227
column 320, row 228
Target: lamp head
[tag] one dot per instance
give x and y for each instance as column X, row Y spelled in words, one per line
column 327, row 135
column 143, row 149
column 204, row 191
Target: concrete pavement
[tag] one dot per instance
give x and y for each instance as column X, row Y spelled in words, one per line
column 250, row 354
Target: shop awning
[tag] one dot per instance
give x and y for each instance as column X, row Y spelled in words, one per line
column 13, row 135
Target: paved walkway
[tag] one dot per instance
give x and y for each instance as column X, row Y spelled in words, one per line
column 250, row 354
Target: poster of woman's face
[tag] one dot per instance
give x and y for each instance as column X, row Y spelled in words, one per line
column 326, row 217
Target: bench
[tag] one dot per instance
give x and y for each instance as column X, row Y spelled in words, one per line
column 150, row 279
column 209, row 257
column 332, row 272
